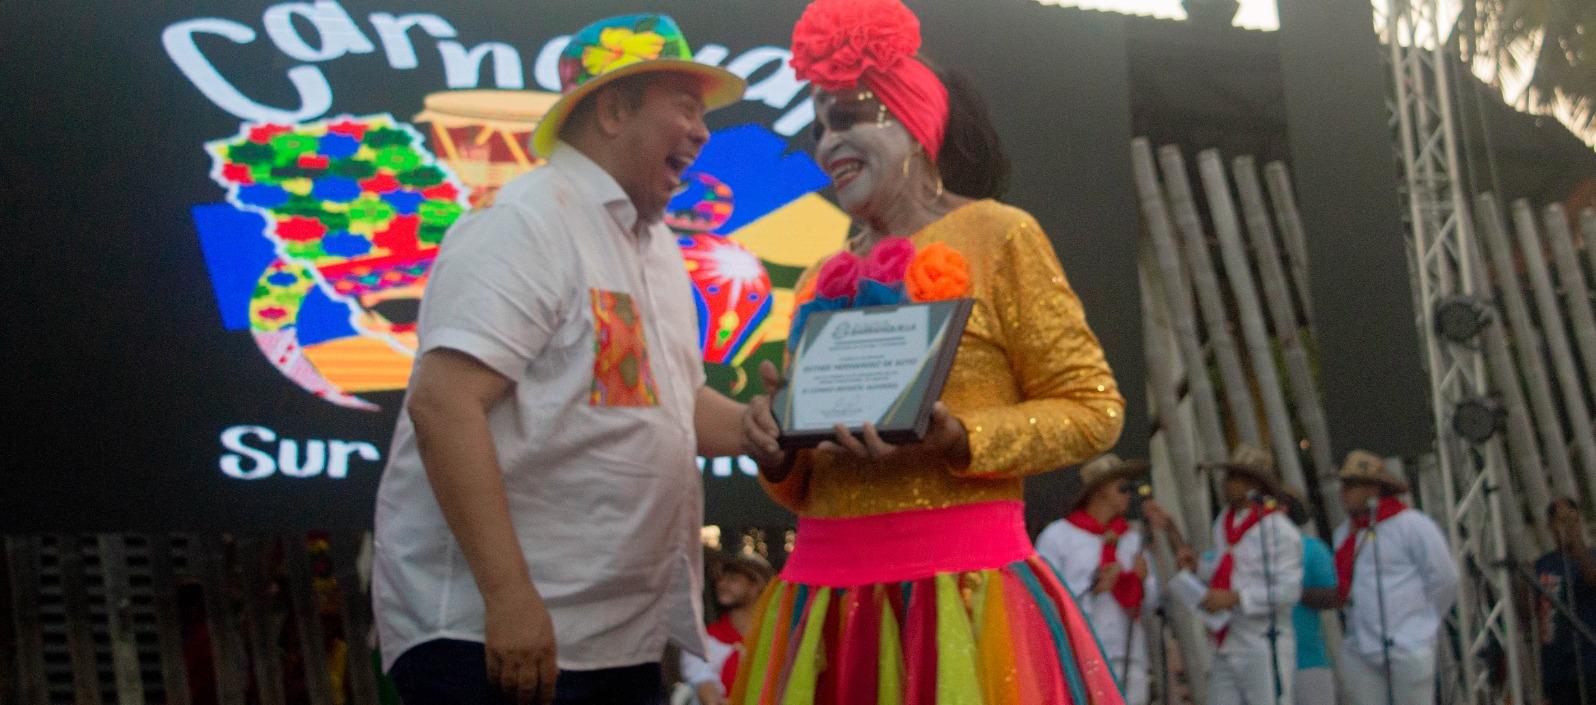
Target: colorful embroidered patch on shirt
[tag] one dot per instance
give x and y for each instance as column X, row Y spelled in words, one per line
column 621, row 375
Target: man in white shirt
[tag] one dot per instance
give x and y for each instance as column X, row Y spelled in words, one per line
column 1397, row 582
column 537, row 525
column 1257, row 580
column 1098, row 555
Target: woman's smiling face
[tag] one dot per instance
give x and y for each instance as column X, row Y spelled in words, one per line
column 863, row 149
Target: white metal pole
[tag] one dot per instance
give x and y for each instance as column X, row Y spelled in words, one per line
column 1210, row 300
column 1299, row 370
column 1178, row 301
column 1578, row 411
column 1238, row 271
column 1293, row 234
column 1575, row 291
column 1527, row 342
column 1520, row 428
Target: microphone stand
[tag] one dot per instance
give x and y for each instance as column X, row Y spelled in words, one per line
column 1379, row 592
column 1579, row 656
column 1163, row 656
column 1269, row 603
column 1130, row 626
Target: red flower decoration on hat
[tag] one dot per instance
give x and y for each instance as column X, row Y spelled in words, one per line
column 837, row 41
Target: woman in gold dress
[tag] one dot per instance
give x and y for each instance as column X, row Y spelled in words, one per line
column 912, row 579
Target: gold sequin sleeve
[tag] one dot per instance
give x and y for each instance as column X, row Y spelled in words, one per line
column 1069, row 407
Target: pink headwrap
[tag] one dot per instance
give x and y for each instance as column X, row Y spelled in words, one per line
column 840, row 44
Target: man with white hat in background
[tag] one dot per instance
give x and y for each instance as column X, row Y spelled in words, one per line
column 537, row 526
column 1396, row 581
column 1099, row 556
column 1257, row 580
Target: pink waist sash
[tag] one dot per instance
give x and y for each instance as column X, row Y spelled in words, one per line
column 883, row 548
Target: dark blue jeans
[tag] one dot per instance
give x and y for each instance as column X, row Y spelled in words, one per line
column 454, row 672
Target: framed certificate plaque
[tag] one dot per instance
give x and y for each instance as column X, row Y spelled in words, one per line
column 884, row 365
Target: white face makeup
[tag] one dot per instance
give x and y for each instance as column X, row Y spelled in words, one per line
column 863, row 149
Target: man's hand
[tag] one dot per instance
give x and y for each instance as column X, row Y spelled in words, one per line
column 1220, row 600
column 945, row 440
column 1186, row 558
column 1140, row 567
column 1106, row 575
column 760, row 431
column 519, row 641
column 709, row 694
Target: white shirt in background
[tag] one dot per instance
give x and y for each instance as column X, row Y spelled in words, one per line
column 1420, row 583
column 1249, row 621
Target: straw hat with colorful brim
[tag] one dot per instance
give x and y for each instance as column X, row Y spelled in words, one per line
column 1102, row 470
column 1363, row 466
column 623, row 46
column 1251, row 461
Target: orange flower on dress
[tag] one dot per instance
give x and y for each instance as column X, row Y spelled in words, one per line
column 937, row 273
column 805, row 293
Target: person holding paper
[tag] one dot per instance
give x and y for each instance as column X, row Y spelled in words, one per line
column 1099, row 556
column 1397, row 582
column 912, row 576
column 1257, row 580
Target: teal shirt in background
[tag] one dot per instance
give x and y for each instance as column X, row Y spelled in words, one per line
column 1318, row 571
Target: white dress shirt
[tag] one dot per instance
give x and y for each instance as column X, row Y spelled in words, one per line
column 1419, row 578
column 1076, row 553
column 606, row 501
column 698, row 671
column 1249, row 620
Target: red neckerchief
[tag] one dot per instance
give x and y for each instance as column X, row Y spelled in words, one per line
column 1347, row 552
column 726, row 633
column 1127, row 590
column 1227, row 562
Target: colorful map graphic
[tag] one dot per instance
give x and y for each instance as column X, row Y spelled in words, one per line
column 330, row 227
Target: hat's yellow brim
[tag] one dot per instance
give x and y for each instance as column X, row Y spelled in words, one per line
column 721, row 88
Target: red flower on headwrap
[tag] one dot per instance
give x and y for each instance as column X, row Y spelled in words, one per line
column 836, row 41
column 840, row 44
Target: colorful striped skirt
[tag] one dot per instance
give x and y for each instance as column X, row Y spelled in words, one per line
column 940, row 606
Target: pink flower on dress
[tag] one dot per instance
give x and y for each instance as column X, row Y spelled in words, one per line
column 839, row 276
column 889, row 260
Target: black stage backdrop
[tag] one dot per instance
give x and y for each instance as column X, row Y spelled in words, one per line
column 202, row 333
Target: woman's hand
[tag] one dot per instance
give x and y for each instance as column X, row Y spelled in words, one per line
column 760, row 430
column 945, row 440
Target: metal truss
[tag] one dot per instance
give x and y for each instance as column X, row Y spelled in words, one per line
column 1444, row 262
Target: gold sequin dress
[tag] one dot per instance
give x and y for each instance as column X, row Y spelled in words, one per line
column 1029, row 382
column 916, row 583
